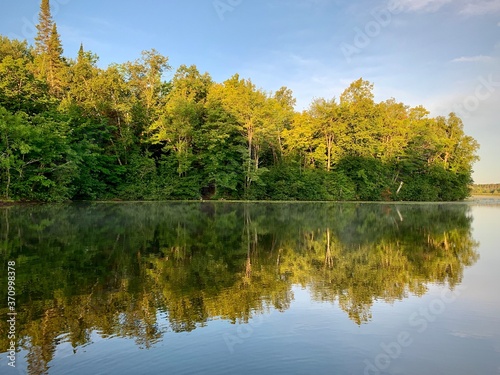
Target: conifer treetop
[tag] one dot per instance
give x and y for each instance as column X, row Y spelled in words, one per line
column 44, row 27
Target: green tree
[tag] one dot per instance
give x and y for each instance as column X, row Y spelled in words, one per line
column 20, row 90
column 81, row 91
column 182, row 116
column 284, row 104
column 392, row 129
column 44, row 28
column 223, row 148
column 331, row 129
column 55, row 63
column 358, row 113
column 245, row 103
column 130, row 134
column 144, row 79
column 48, row 64
column 301, row 140
column 37, row 162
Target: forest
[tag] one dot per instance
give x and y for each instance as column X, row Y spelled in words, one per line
column 486, row 189
column 71, row 130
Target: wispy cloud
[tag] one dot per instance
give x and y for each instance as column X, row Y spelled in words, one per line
column 480, row 7
column 420, row 5
column 464, row 7
column 479, row 58
column 303, row 62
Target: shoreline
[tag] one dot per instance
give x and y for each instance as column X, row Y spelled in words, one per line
column 476, row 198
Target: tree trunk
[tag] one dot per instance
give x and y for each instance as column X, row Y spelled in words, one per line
column 250, row 144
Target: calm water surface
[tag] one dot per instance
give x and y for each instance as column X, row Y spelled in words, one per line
column 234, row 288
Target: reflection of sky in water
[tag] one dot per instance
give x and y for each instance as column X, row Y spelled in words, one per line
column 309, row 336
column 312, row 337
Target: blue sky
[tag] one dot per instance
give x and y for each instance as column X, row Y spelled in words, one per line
column 443, row 54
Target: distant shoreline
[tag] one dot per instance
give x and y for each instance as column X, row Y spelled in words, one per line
column 484, row 196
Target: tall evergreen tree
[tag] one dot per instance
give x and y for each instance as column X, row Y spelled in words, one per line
column 81, row 54
column 48, row 62
column 44, row 27
column 55, row 63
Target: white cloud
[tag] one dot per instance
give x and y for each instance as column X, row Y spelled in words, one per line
column 419, row 5
column 303, row 62
column 480, row 7
column 480, row 58
column 464, row 7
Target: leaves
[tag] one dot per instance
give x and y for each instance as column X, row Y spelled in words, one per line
column 124, row 132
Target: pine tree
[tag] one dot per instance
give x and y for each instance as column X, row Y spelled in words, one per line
column 81, row 54
column 55, row 64
column 48, row 61
column 44, row 27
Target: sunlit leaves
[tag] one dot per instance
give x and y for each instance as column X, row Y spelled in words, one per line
column 134, row 135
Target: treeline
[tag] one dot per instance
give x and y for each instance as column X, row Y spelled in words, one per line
column 486, row 189
column 70, row 130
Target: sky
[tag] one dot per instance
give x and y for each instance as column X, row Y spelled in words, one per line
column 442, row 54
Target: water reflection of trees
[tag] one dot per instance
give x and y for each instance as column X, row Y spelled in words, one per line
column 113, row 268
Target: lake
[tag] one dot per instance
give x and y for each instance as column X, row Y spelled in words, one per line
column 251, row 288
